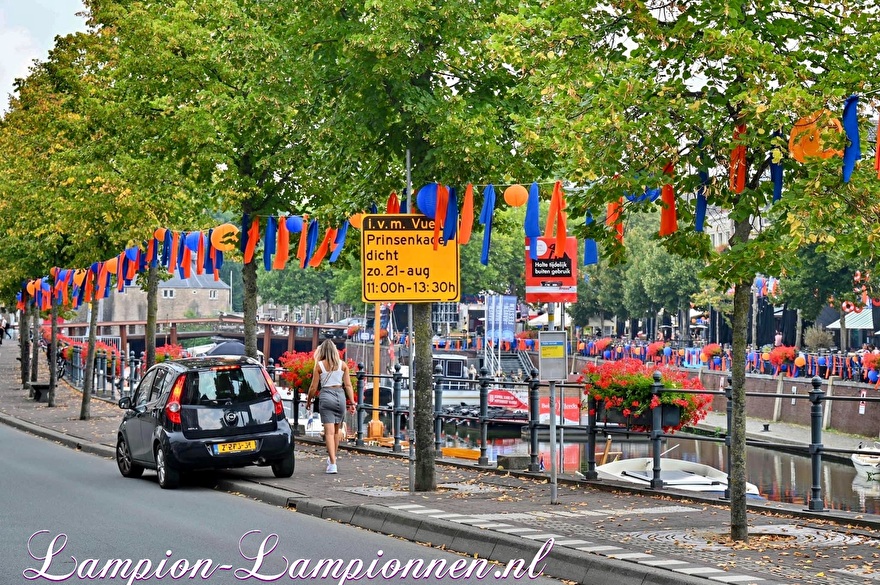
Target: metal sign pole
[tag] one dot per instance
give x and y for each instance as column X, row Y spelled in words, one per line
column 554, row 494
column 410, row 419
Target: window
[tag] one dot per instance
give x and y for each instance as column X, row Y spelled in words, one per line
column 167, row 293
column 212, row 294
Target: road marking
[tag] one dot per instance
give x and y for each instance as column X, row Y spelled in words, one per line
column 597, row 549
column 735, row 578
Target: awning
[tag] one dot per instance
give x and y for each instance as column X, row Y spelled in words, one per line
column 863, row 320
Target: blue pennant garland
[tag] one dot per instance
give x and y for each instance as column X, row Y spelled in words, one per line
column 853, row 150
column 486, row 214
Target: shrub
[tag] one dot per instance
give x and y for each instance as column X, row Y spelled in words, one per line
column 816, row 338
column 712, row 349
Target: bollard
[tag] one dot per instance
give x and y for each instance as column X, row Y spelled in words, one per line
column 656, row 431
column 359, row 436
column 113, row 362
column 102, row 371
column 397, row 409
column 728, row 393
column 76, row 373
column 816, row 395
column 271, row 370
column 438, row 402
column 484, row 415
column 534, row 419
column 591, row 439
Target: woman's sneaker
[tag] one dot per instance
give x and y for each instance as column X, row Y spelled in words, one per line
column 331, row 468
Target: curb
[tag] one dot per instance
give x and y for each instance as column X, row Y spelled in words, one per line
column 560, row 562
column 74, row 443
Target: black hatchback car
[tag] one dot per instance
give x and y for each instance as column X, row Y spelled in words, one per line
column 204, row 413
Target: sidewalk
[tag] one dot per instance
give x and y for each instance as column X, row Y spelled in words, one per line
column 600, row 533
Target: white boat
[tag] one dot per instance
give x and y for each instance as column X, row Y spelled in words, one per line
column 867, row 461
column 675, row 473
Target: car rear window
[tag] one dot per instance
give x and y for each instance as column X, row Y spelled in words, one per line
column 225, row 385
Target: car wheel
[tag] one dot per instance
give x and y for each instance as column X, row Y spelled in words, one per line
column 284, row 467
column 168, row 478
column 125, row 463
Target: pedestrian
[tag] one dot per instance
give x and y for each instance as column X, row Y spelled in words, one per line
column 777, row 340
column 332, row 375
column 4, row 325
column 472, row 372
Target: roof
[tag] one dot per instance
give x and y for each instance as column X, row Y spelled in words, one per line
column 863, row 320
column 194, row 281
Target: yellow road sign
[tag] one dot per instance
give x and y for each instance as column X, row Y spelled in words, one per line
column 399, row 262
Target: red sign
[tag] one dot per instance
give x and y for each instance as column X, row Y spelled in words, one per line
column 550, row 279
column 507, row 399
column 572, row 409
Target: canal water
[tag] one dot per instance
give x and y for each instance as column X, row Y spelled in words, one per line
column 780, row 477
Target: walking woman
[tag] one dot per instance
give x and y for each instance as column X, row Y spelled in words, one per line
column 336, row 395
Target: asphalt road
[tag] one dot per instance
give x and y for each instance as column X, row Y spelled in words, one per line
column 61, row 508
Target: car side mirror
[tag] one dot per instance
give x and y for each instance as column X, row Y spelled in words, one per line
column 125, row 402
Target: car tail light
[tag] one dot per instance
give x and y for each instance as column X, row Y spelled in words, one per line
column 172, row 409
column 276, row 397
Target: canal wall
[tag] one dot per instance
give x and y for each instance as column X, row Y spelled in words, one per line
column 791, row 405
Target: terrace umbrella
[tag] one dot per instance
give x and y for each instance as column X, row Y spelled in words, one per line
column 227, row 348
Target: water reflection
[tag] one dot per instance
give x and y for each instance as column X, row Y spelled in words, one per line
column 781, row 477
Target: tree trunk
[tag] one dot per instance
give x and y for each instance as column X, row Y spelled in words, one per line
column 36, row 335
column 24, row 346
column 739, row 528
column 798, row 329
column 53, row 353
column 249, row 282
column 423, row 383
column 753, row 299
column 152, row 311
column 844, row 335
column 89, row 373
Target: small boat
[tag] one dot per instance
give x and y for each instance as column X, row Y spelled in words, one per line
column 867, row 461
column 675, row 473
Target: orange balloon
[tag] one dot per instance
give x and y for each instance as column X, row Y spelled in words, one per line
column 516, row 195
column 32, row 287
column 356, row 220
column 704, row 358
column 79, row 276
column 799, row 361
column 681, row 352
column 765, row 356
column 224, row 237
column 111, row 265
column 159, row 234
column 805, row 139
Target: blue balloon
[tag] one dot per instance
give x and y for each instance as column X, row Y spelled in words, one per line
column 873, row 376
column 822, row 361
column 426, row 200
column 294, row 224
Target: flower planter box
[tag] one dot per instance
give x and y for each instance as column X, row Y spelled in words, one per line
column 670, row 416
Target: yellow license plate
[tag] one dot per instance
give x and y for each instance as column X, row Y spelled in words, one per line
column 237, row 447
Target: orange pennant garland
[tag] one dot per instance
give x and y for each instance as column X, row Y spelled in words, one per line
column 557, row 216
column 253, row 237
column 467, row 216
column 393, row 204
column 440, row 214
column 877, row 154
column 303, row 239
column 668, row 215
column 319, row 254
column 614, row 218
column 738, row 162
column 282, row 248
